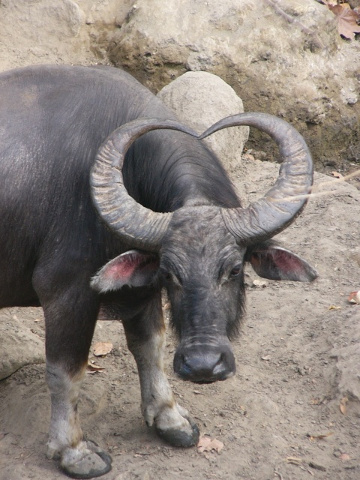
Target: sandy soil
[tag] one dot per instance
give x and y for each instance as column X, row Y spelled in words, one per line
column 292, row 411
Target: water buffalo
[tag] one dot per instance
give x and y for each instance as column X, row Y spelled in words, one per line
column 105, row 199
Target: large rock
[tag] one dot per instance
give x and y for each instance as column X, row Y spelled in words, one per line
column 200, row 99
column 42, row 31
column 287, row 59
column 19, row 346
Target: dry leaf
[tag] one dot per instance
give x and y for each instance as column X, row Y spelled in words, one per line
column 320, row 436
column 334, row 307
column 342, row 406
column 337, row 175
column 206, row 444
column 345, row 457
column 248, row 157
column 354, row 297
column 102, row 348
column 260, row 283
column 203, row 443
column 217, row 445
column 93, row 368
column 266, row 358
column 346, row 20
column 317, row 466
column 294, row 460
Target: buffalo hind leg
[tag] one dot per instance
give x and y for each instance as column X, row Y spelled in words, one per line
column 145, row 335
column 70, row 322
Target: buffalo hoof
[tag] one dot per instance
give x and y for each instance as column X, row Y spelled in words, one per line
column 180, row 438
column 86, row 461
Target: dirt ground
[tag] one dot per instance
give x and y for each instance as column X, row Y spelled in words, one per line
column 292, row 411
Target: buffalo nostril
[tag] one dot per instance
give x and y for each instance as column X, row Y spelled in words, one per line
column 185, row 368
column 204, row 366
column 220, row 365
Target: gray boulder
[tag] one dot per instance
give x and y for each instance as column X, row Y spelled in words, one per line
column 19, row 346
column 200, row 99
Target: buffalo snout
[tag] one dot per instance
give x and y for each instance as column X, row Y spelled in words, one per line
column 202, row 363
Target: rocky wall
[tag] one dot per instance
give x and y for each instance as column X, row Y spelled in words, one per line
column 283, row 57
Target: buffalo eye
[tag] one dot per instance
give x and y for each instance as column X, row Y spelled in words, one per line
column 235, row 272
column 170, row 277
column 166, row 275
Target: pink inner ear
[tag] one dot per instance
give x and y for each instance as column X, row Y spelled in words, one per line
column 285, row 262
column 279, row 264
column 126, row 266
column 133, row 268
column 124, row 270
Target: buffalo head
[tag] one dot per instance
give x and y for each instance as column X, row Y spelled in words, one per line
column 198, row 251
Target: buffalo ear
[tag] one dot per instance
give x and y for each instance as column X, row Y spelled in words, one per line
column 132, row 268
column 276, row 263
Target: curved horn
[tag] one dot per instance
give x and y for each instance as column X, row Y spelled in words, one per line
column 136, row 224
column 280, row 206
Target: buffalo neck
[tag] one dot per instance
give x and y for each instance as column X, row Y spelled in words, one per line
column 168, row 177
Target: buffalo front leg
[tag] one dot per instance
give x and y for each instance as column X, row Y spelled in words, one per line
column 78, row 458
column 69, row 330
column 145, row 335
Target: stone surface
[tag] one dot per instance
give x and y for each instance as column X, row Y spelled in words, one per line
column 19, row 346
column 200, row 99
column 283, row 57
column 42, row 31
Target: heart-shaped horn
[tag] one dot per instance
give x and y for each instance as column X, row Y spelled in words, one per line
column 279, row 207
column 136, row 224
